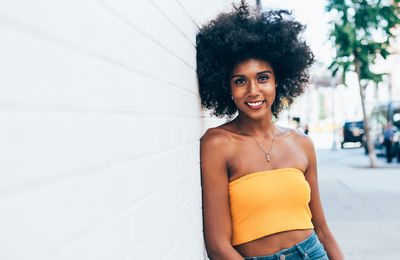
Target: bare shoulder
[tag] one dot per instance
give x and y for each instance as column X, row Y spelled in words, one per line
column 215, row 139
column 299, row 138
column 217, row 145
column 213, row 135
column 219, row 134
column 304, row 140
column 305, row 144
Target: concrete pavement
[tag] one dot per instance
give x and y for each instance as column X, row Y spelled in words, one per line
column 362, row 205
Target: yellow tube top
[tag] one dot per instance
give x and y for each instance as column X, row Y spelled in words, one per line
column 268, row 202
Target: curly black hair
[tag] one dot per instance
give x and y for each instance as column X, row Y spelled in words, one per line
column 244, row 33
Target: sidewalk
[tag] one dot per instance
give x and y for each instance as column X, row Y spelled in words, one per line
column 362, row 205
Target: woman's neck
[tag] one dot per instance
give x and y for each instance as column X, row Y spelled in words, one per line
column 263, row 128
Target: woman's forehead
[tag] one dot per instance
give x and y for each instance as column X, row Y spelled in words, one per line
column 252, row 66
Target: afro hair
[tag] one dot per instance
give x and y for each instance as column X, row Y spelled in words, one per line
column 244, row 33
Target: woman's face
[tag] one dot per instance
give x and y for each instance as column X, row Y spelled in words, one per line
column 253, row 87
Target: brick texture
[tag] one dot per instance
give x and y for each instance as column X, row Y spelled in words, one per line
column 100, row 121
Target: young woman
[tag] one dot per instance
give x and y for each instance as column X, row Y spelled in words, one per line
column 259, row 180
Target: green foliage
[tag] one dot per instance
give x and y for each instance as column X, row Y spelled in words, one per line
column 361, row 30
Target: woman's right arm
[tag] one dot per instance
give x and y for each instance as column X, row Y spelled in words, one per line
column 214, row 181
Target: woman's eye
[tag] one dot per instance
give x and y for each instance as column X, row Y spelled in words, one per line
column 239, row 81
column 263, row 78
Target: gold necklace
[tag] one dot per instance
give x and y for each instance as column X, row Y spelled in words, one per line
column 267, row 154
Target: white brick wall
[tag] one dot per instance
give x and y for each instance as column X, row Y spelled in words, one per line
column 89, row 168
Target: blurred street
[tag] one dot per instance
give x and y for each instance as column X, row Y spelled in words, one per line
column 362, row 205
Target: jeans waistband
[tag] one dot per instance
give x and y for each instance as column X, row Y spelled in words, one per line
column 309, row 241
column 298, row 250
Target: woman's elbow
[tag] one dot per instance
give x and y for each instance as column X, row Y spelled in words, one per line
column 218, row 251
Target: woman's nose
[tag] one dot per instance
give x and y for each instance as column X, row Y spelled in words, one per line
column 253, row 87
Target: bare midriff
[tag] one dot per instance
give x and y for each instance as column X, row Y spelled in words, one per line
column 271, row 244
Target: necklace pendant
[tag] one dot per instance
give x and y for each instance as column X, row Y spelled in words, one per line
column 268, row 157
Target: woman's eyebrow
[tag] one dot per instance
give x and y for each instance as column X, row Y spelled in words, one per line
column 258, row 73
column 238, row 75
column 264, row 71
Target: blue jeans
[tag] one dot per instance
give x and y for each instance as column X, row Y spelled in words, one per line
column 308, row 249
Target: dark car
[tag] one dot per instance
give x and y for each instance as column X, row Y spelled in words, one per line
column 353, row 132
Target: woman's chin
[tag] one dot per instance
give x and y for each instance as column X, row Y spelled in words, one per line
column 258, row 116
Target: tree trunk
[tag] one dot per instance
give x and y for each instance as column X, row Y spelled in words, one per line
column 370, row 145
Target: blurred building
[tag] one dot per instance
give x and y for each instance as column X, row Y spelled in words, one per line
column 328, row 103
column 389, row 89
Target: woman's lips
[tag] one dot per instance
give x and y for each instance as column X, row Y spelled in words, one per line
column 256, row 107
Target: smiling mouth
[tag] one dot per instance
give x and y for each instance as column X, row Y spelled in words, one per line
column 255, row 105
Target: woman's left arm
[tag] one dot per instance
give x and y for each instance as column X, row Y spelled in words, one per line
column 318, row 217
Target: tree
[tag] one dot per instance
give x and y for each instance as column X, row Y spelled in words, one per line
column 361, row 30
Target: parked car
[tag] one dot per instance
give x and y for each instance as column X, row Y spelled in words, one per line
column 353, row 132
column 380, row 115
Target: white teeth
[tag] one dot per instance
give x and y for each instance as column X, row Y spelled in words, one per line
column 254, row 104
